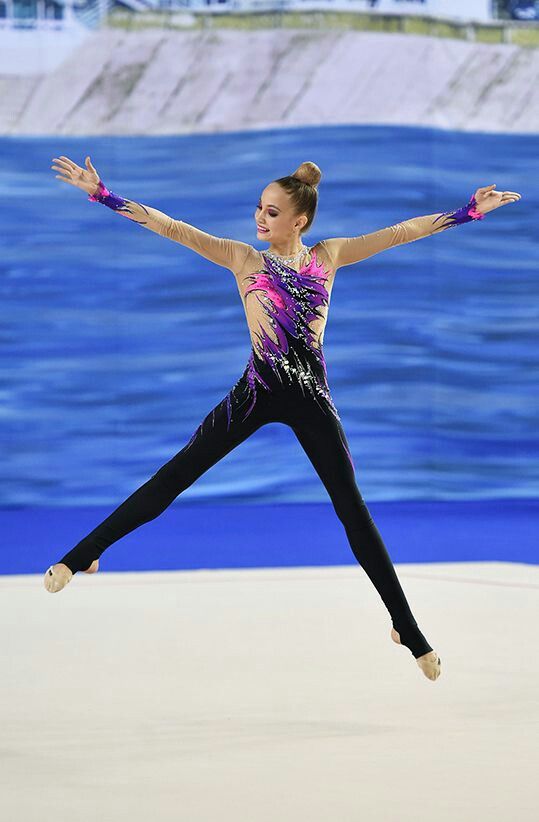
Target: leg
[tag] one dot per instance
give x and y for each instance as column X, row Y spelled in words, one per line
column 322, row 438
column 222, row 430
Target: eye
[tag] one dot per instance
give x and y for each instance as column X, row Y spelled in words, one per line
column 271, row 213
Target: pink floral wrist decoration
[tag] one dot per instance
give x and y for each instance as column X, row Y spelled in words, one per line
column 472, row 210
column 108, row 198
column 465, row 214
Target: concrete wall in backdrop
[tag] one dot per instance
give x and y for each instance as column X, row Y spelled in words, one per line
column 156, row 81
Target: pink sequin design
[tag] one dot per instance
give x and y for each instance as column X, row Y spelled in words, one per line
column 291, row 300
column 461, row 215
column 474, row 213
column 110, row 199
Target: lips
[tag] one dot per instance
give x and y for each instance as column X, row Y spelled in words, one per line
column 262, row 230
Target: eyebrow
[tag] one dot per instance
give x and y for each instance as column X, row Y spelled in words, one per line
column 270, row 205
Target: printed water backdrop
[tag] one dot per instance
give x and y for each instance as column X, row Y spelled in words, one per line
column 116, row 342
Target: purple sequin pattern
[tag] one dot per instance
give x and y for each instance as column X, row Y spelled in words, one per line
column 108, row 198
column 291, row 300
column 462, row 215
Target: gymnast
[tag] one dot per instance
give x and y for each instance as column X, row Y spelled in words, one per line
column 285, row 291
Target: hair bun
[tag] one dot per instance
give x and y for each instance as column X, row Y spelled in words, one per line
column 308, row 173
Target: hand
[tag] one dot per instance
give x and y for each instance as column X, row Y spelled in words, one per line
column 487, row 199
column 85, row 178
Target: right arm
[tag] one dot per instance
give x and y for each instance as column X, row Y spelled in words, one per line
column 230, row 254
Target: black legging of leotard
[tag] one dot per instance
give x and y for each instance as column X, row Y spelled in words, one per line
column 232, row 421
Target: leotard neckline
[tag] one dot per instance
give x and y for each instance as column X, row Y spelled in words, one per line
column 312, row 253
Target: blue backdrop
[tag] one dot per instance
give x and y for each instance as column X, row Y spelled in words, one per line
column 117, row 342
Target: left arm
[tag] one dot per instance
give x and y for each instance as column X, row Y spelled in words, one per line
column 348, row 250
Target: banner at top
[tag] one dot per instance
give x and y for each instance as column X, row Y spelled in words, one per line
column 479, row 10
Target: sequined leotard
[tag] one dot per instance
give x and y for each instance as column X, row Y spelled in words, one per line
column 285, row 380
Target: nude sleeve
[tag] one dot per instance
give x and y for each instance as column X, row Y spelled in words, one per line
column 348, row 250
column 230, row 254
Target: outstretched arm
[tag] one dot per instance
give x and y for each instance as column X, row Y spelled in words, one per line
column 348, row 250
column 222, row 251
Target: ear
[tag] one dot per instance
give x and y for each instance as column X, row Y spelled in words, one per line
column 301, row 222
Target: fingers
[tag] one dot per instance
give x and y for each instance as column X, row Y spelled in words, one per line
column 65, row 180
column 510, row 197
column 91, row 168
column 488, row 194
column 63, row 165
column 66, row 171
column 65, row 176
column 504, row 194
column 68, row 161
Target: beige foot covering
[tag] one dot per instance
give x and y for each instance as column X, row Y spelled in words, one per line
column 430, row 663
column 57, row 576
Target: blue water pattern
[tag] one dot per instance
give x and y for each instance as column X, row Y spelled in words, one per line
column 116, row 342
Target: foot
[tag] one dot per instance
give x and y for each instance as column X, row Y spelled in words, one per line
column 94, row 567
column 57, row 576
column 429, row 663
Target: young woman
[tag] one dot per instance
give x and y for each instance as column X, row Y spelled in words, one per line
column 285, row 292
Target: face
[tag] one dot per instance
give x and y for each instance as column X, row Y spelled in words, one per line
column 274, row 213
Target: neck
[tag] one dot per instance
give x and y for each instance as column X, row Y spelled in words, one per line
column 286, row 249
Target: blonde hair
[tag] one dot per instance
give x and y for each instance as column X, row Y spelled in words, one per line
column 308, row 173
column 302, row 186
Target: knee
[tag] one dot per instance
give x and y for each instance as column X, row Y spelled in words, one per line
column 353, row 512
